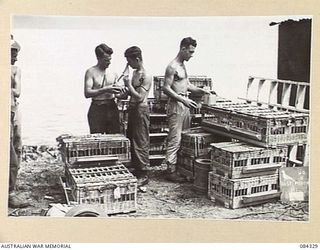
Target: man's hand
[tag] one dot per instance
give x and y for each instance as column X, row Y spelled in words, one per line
column 189, row 103
column 116, row 89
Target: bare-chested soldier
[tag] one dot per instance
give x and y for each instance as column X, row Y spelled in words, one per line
column 103, row 115
column 138, row 113
column 176, row 86
column 15, row 129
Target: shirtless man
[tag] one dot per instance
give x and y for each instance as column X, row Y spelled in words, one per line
column 138, row 113
column 176, row 86
column 99, row 84
column 15, row 129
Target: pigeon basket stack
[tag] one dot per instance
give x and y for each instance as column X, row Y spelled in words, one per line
column 72, row 147
column 246, row 172
column 236, row 193
column 195, row 143
column 258, row 125
column 109, row 186
column 243, row 174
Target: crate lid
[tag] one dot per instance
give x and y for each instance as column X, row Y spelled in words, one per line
column 235, row 147
column 254, row 110
column 100, row 174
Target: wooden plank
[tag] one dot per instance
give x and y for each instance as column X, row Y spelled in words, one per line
column 290, row 108
column 272, row 98
column 285, row 99
column 250, row 81
column 260, row 87
column 301, row 96
column 283, row 81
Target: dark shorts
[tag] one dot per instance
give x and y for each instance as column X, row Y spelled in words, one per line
column 104, row 118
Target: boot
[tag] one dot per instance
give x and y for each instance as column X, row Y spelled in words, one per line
column 16, row 202
column 142, row 176
column 174, row 177
column 143, row 180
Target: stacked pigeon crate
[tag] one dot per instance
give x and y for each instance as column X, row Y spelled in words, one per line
column 72, row 147
column 246, row 172
column 195, row 143
column 158, row 131
column 94, row 173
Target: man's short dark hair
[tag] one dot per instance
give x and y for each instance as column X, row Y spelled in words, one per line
column 185, row 42
column 133, row 52
column 102, row 50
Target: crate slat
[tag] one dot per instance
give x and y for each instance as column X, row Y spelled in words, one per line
column 258, row 125
column 240, row 160
column 237, row 193
column 112, row 188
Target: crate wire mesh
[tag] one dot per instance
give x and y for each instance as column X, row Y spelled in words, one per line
column 112, row 188
column 158, row 143
column 185, row 165
column 239, row 159
column 237, row 193
column 72, row 147
column 158, row 123
column 256, row 124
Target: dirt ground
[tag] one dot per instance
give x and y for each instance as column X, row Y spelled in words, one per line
column 39, row 183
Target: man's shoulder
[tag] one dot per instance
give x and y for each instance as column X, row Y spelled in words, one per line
column 91, row 70
column 173, row 65
column 147, row 78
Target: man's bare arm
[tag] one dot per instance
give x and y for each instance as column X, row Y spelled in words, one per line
column 90, row 92
column 168, row 81
column 140, row 92
column 197, row 90
column 16, row 89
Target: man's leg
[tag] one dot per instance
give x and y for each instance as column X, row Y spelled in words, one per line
column 14, row 200
column 138, row 129
column 17, row 139
column 96, row 118
column 113, row 119
column 14, row 166
column 176, row 121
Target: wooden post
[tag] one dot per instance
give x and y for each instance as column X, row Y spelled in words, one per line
column 286, row 94
column 301, row 94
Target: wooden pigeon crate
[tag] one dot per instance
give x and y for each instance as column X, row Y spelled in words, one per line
column 237, row 193
column 185, row 165
column 195, row 142
column 72, row 147
column 112, row 188
column 257, row 125
column 240, row 160
column 158, row 143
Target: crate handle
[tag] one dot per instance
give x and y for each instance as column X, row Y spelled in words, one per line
column 254, row 198
column 95, row 158
column 238, row 131
column 246, row 170
column 108, row 186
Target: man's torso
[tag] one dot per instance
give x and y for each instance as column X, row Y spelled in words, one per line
column 180, row 78
column 101, row 80
column 14, row 70
column 139, row 81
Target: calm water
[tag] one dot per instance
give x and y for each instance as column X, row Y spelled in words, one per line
column 53, row 63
